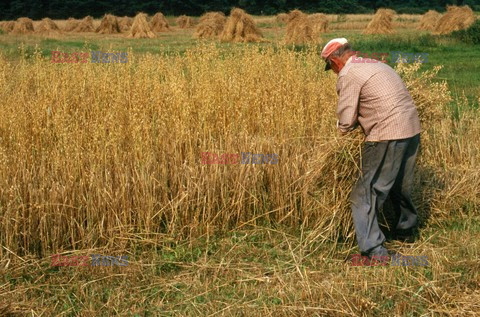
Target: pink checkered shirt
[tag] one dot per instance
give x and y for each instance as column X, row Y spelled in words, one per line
column 375, row 96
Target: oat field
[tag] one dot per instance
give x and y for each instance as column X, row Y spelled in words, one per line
column 107, row 158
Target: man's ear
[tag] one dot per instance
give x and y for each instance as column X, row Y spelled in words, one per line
column 345, row 57
column 339, row 63
column 335, row 60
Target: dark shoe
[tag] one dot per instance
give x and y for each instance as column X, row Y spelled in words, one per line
column 379, row 256
column 378, row 251
column 376, row 256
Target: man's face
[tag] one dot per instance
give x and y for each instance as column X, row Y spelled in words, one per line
column 336, row 63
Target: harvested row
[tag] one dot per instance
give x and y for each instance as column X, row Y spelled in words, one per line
column 159, row 23
column 85, row 25
column 299, row 28
column 7, row 26
column 185, row 22
column 140, row 28
column 240, row 27
column 23, row 26
column 282, row 18
column 381, row 22
column 108, row 25
column 48, row 27
column 210, row 25
column 125, row 23
column 319, row 22
column 456, row 18
column 429, row 20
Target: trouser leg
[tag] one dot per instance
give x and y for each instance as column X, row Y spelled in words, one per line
column 401, row 193
column 381, row 162
column 363, row 198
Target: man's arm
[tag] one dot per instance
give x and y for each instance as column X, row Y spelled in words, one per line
column 348, row 91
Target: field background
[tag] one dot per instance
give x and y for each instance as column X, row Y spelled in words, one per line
column 106, row 159
column 456, row 57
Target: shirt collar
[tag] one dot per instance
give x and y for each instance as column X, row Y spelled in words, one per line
column 348, row 60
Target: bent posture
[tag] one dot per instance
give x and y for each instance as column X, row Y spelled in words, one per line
column 374, row 96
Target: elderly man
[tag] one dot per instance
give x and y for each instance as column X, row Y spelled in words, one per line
column 372, row 94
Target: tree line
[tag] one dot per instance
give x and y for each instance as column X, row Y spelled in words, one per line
column 62, row 9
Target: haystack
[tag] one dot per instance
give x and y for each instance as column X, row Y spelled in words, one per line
column 85, row 25
column 23, row 26
column 299, row 28
column 429, row 20
column 282, row 18
column 319, row 23
column 140, row 27
column 456, row 18
column 125, row 23
column 47, row 26
column 109, row 25
column 7, row 26
column 240, row 27
column 159, row 23
column 381, row 22
column 210, row 25
column 185, row 22
column 71, row 24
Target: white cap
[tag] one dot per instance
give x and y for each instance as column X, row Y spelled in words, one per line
column 332, row 46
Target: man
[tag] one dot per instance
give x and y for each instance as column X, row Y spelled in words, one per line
column 372, row 94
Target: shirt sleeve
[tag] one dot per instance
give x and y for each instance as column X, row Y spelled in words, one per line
column 348, row 91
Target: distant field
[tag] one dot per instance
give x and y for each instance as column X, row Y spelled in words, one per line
column 460, row 73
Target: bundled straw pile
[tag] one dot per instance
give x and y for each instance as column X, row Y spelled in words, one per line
column 299, row 28
column 282, row 18
column 240, row 27
column 23, row 26
column 429, row 20
column 71, row 24
column 381, row 22
column 109, row 25
column 7, row 26
column 210, row 25
column 47, row 26
column 85, row 25
column 185, row 22
column 125, row 23
column 456, row 18
column 159, row 23
column 319, row 23
column 140, row 27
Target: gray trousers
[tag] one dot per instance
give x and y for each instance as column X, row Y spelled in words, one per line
column 387, row 168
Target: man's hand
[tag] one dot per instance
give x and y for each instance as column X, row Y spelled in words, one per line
column 342, row 133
